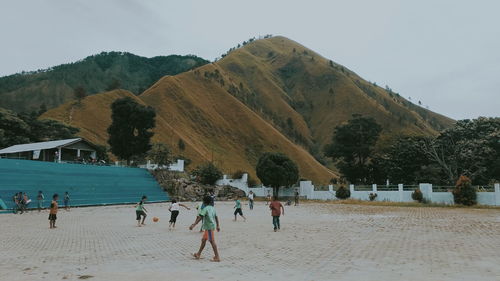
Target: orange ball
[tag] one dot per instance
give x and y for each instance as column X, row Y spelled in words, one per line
column 156, row 219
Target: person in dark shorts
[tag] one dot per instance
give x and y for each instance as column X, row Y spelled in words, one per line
column 237, row 209
column 174, row 212
column 140, row 211
column 296, row 197
column 277, row 210
column 53, row 211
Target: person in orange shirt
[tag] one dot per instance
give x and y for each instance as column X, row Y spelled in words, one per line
column 277, row 210
column 53, row 211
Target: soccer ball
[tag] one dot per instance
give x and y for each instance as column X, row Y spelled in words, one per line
column 156, row 219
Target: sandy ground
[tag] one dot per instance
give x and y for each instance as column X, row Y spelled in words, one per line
column 317, row 242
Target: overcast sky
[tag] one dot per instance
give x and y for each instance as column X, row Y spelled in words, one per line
column 443, row 53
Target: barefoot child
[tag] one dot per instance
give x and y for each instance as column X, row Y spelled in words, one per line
column 210, row 224
column 174, row 212
column 276, row 210
column 140, row 211
column 237, row 206
column 53, row 211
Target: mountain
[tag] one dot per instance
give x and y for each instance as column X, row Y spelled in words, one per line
column 268, row 95
column 26, row 92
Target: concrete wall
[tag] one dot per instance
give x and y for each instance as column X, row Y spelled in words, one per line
column 398, row 193
column 177, row 166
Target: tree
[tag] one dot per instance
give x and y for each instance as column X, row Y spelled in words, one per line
column 207, row 173
column 13, row 129
column 181, row 145
column 277, row 170
column 115, row 84
column 130, row 131
column 352, row 146
column 464, row 193
column 160, row 154
column 79, row 93
column 469, row 148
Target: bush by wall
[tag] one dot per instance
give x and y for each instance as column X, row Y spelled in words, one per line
column 343, row 192
column 464, row 193
column 417, row 196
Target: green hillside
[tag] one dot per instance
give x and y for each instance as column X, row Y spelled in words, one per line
column 28, row 91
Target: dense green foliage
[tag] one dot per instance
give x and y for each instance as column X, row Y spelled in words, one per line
column 277, row 170
column 160, row 154
column 26, row 128
column 130, row 131
column 464, row 193
column 342, row 192
column 25, row 92
column 207, row 173
column 470, row 147
column 352, row 146
column 417, row 195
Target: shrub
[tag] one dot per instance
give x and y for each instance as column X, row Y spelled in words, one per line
column 464, row 193
column 343, row 192
column 207, row 173
column 372, row 196
column 417, row 195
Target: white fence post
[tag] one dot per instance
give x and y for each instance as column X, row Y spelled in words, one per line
column 426, row 189
column 374, row 188
column 400, row 191
column 497, row 194
column 351, row 189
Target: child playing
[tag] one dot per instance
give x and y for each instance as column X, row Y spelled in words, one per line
column 238, row 210
column 140, row 211
column 40, row 197
column 210, row 223
column 53, row 211
column 174, row 212
column 276, row 210
column 66, row 201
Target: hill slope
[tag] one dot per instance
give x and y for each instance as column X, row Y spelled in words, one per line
column 270, row 95
column 28, row 91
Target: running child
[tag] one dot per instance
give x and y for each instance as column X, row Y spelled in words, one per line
column 237, row 209
column 174, row 212
column 210, row 224
column 277, row 209
column 53, row 211
column 140, row 211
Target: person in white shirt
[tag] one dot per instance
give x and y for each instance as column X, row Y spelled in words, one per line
column 250, row 199
column 174, row 212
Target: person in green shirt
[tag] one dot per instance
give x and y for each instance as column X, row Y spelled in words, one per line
column 237, row 209
column 140, row 211
column 210, row 224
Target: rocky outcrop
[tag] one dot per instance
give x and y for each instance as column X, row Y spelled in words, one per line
column 179, row 186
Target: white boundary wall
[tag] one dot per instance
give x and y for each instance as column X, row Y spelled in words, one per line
column 306, row 189
column 177, row 166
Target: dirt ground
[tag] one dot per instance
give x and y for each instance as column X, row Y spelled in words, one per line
column 318, row 241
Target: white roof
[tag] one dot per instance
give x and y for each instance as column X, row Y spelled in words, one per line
column 38, row 146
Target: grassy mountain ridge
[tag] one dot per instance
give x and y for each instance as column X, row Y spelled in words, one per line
column 269, row 95
column 25, row 92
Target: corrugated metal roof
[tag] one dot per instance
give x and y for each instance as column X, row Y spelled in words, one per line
column 38, row 146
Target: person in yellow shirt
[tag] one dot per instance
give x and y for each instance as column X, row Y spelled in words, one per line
column 53, row 211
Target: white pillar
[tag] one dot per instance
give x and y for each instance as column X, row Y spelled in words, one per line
column 426, row 189
column 497, row 194
column 78, row 153
column 59, row 156
column 374, row 188
column 400, row 191
column 351, row 189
